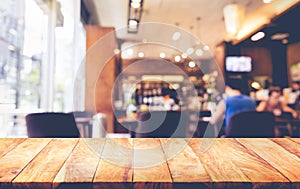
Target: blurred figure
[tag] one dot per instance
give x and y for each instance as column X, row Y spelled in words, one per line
column 235, row 102
column 274, row 104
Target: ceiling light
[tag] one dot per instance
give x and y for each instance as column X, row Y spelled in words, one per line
column 133, row 24
column 199, row 52
column 206, row 48
column 233, row 17
column 116, row 51
column 176, row 36
column 258, row 36
column 135, row 10
column 285, row 41
column 192, row 64
column 162, row 55
column 280, row 36
column 129, row 52
column 184, row 55
column 267, row 1
column 141, row 54
column 135, row 5
column 177, row 58
column 190, row 50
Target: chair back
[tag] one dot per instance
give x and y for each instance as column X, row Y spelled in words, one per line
column 162, row 124
column 251, row 124
column 51, row 125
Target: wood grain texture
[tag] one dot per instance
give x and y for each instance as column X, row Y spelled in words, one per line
column 150, row 167
column 222, row 170
column 278, row 157
column 150, row 163
column 9, row 144
column 290, row 145
column 184, row 165
column 297, row 140
column 81, row 165
column 15, row 160
column 115, row 167
column 41, row 171
column 260, row 172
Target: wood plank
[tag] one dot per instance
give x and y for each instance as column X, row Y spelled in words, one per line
column 115, row 167
column 281, row 159
column 260, row 172
column 290, row 145
column 7, row 144
column 220, row 167
column 185, row 167
column 150, row 167
column 15, row 160
column 297, row 140
column 79, row 169
column 41, row 171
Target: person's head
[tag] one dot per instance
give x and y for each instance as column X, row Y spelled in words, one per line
column 274, row 95
column 233, row 87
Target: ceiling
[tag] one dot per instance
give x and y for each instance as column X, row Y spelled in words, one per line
column 282, row 29
column 210, row 29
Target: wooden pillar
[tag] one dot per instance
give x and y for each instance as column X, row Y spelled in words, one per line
column 100, row 76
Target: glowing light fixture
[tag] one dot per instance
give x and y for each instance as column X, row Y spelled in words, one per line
column 162, row 55
column 192, row 64
column 176, row 36
column 206, row 48
column 129, row 52
column 199, row 52
column 177, row 58
column 135, row 10
column 285, row 41
column 255, row 85
column 184, row 55
column 267, row 1
column 190, row 50
column 258, row 36
column 117, row 51
column 141, row 54
column 233, row 17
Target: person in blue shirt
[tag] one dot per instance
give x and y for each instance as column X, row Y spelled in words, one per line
column 234, row 102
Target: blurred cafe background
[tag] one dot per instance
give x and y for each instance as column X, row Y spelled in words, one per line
column 45, row 68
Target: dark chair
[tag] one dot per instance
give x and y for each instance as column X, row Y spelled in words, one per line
column 84, row 121
column 283, row 124
column 251, row 124
column 51, row 125
column 162, row 124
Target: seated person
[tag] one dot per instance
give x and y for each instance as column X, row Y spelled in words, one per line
column 234, row 103
column 273, row 104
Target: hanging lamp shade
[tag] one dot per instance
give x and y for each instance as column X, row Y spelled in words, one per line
column 233, row 17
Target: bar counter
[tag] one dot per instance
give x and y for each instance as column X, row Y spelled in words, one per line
column 80, row 163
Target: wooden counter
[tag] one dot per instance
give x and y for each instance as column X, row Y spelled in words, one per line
column 70, row 163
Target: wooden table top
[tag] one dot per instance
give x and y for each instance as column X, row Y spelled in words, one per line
column 228, row 163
